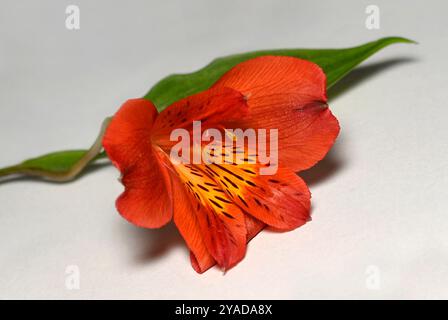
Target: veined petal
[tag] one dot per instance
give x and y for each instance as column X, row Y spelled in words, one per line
column 201, row 260
column 220, row 221
column 214, row 229
column 287, row 94
column 253, row 226
column 212, row 108
column 186, row 221
column 281, row 201
column 284, row 202
column 146, row 201
column 228, row 204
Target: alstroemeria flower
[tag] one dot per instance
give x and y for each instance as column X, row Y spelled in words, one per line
column 218, row 208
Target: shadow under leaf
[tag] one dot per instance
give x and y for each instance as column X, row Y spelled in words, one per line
column 361, row 74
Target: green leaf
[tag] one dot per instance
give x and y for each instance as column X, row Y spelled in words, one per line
column 56, row 162
column 336, row 63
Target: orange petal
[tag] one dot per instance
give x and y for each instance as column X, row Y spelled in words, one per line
column 287, row 94
column 281, row 201
column 187, row 222
column 253, row 226
column 211, row 107
column 145, row 201
column 287, row 205
column 220, row 221
column 202, row 261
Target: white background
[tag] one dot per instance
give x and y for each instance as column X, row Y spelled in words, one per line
column 379, row 198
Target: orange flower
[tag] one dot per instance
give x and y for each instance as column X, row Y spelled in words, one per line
column 218, row 208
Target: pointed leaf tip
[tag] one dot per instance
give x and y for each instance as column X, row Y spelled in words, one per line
column 336, row 63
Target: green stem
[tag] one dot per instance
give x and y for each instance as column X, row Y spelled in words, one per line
column 72, row 171
column 9, row 170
